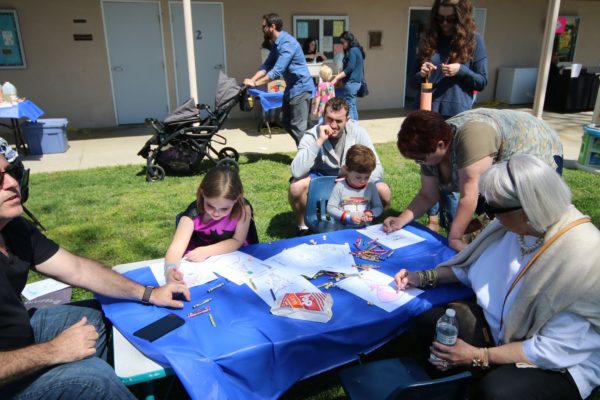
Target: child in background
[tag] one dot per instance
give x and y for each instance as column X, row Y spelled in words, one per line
column 325, row 91
column 354, row 200
column 219, row 223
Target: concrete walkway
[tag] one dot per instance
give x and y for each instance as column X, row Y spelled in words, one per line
column 119, row 145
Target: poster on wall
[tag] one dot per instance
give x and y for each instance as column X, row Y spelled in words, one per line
column 11, row 47
column 566, row 37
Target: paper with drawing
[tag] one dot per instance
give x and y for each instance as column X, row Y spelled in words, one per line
column 374, row 286
column 393, row 240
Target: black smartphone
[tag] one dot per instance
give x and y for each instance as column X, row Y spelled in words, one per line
column 160, row 327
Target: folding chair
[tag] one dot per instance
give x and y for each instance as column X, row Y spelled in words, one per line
column 315, row 215
column 400, row 379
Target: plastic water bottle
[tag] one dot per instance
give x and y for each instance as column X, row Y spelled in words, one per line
column 446, row 330
column 9, row 91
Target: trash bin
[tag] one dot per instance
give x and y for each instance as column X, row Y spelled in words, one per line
column 589, row 154
column 46, row 136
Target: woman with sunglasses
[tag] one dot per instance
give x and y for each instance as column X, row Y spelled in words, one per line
column 454, row 153
column 534, row 271
column 452, row 56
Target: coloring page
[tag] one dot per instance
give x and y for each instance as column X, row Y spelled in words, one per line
column 393, row 240
column 236, row 266
column 280, row 281
column 194, row 274
column 40, row 288
column 374, row 287
column 308, row 259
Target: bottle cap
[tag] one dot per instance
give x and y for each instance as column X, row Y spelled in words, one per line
column 426, row 85
column 451, row 313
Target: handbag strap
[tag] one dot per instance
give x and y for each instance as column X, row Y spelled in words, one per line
column 544, row 247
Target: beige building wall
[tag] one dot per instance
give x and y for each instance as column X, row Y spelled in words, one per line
column 71, row 79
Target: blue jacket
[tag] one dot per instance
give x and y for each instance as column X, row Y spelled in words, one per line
column 353, row 65
column 453, row 95
column 286, row 60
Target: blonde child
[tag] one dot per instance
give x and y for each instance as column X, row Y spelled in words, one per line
column 354, row 200
column 218, row 225
column 325, row 91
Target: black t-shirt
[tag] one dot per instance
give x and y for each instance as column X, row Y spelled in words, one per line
column 27, row 247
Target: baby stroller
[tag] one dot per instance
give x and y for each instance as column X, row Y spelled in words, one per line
column 185, row 137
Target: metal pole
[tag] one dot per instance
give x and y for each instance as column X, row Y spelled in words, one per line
column 189, row 46
column 545, row 57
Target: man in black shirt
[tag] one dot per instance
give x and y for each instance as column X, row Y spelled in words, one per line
column 55, row 353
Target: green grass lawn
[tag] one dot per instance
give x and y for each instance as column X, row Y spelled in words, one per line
column 114, row 216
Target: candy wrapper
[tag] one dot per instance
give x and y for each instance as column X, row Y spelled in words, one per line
column 313, row 306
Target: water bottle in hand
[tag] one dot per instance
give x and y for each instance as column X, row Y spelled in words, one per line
column 446, row 330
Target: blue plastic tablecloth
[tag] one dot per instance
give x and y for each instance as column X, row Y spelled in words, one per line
column 268, row 100
column 252, row 354
column 26, row 109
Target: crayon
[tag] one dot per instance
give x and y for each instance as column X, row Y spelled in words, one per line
column 252, row 283
column 203, row 302
column 198, row 312
column 273, row 294
column 215, row 287
column 212, row 320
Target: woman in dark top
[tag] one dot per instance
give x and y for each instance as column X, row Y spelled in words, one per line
column 310, row 51
column 352, row 75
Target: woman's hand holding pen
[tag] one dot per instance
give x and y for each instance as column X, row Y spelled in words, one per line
column 406, row 279
column 391, row 224
column 426, row 69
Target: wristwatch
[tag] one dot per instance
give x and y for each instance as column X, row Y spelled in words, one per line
column 147, row 293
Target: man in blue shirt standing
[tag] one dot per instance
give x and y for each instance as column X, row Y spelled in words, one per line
column 286, row 59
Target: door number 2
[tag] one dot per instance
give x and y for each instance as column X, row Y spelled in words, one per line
column 199, row 35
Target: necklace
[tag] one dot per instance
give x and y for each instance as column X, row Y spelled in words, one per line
column 525, row 249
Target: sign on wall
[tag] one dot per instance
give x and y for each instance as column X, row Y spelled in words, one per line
column 11, row 47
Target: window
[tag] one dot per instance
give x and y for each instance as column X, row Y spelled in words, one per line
column 11, row 48
column 325, row 29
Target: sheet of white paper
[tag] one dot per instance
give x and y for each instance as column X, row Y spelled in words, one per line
column 194, row 274
column 393, row 240
column 308, row 259
column 40, row 288
column 374, row 286
column 326, row 44
column 281, row 281
column 236, row 267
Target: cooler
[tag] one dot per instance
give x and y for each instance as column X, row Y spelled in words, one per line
column 589, row 155
column 46, row 136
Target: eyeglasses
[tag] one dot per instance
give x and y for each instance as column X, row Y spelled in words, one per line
column 15, row 171
column 493, row 211
column 451, row 19
column 265, row 27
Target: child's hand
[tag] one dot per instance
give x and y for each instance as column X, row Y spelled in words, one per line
column 199, row 254
column 356, row 218
column 367, row 217
column 173, row 276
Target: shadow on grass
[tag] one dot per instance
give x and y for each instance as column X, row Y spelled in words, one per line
column 282, row 225
column 275, row 157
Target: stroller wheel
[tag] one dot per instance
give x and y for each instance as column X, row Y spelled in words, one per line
column 155, row 173
column 228, row 163
column 229, row 152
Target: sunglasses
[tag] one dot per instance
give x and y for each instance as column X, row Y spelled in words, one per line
column 15, row 171
column 451, row 19
column 421, row 159
column 493, row 211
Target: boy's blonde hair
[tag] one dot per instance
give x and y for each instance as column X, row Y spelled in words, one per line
column 325, row 73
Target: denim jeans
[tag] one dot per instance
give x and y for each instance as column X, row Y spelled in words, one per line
column 446, row 207
column 350, row 96
column 90, row 378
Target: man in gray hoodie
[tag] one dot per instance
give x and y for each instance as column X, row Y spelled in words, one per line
column 322, row 151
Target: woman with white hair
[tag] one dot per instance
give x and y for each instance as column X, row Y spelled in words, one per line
column 535, row 271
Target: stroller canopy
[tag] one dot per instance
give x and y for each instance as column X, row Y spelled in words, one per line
column 227, row 89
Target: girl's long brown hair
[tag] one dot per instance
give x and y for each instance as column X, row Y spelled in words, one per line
column 463, row 44
column 222, row 182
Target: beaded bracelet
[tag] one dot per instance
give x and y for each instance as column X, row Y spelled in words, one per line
column 428, row 278
column 170, row 265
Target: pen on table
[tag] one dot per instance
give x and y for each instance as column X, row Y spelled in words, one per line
column 273, row 294
column 198, row 312
column 215, row 287
column 252, row 283
column 212, row 320
column 203, row 302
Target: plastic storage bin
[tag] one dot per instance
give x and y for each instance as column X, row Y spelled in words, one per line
column 589, row 155
column 46, row 136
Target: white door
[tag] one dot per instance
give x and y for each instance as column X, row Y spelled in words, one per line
column 137, row 67
column 209, row 48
